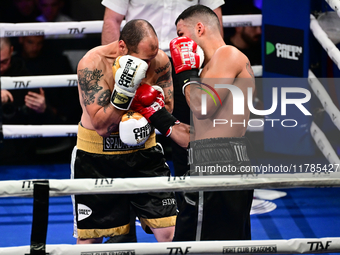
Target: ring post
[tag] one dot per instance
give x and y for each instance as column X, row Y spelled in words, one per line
column 285, row 54
column 40, row 217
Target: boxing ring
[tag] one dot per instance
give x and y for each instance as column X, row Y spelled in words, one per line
column 41, row 190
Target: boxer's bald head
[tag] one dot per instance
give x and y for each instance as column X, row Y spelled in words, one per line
column 136, row 31
column 195, row 14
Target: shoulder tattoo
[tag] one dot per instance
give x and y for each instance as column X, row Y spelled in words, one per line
column 250, row 71
column 165, row 80
column 170, row 94
column 88, row 82
column 162, row 68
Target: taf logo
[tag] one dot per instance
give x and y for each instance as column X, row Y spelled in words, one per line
column 318, row 246
column 178, row 250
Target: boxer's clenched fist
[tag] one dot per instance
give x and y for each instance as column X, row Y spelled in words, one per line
column 149, row 101
column 187, row 57
column 128, row 72
column 134, row 129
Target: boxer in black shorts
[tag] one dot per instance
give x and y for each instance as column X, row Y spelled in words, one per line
column 108, row 77
column 218, row 133
column 216, row 207
column 108, row 215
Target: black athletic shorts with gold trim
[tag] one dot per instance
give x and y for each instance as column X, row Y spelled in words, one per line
column 108, row 214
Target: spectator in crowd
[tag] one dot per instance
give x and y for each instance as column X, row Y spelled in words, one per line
column 35, row 106
column 162, row 16
column 19, row 11
column 41, row 59
column 247, row 38
column 16, row 107
column 51, row 11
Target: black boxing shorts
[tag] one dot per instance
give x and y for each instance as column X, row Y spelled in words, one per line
column 108, row 214
column 218, row 215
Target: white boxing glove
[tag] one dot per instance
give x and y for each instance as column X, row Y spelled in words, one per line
column 134, row 129
column 128, row 72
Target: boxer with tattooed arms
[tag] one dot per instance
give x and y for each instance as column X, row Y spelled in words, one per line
column 108, row 77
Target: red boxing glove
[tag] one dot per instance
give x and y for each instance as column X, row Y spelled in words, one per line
column 147, row 100
column 186, row 54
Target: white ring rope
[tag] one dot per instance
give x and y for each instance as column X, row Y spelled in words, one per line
column 324, row 98
column 31, row 131
column 50, row 28
column 335, row 5
column 90, row 27
column 63, row 187
column 42, row 81
column 242, row 20
column 324, row 40
column 69, row 80
column 323, row 144
column 298, row 245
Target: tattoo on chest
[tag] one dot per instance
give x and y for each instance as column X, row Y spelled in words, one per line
column 162, row 68
column 88, row 82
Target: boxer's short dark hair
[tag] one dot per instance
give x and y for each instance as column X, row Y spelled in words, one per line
column 133, row 32
column 196, row 10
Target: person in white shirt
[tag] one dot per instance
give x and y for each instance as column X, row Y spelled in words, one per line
column 161, row 14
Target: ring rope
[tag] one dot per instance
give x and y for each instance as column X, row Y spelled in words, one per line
column 325, row 42
column 296, row 245
column 323, row 144
column 63, row 187
column 69, row 80
column 41, row 81
column 324, row 98
column 335, row 5
column 91, row 27
column 34, row 131
column 242, row 20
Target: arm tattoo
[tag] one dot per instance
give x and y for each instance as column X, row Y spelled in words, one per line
column 162, row 68
column 250, row 71
column 165, row 80
column 104, row 99
column 170, row 93
column 88, row 81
